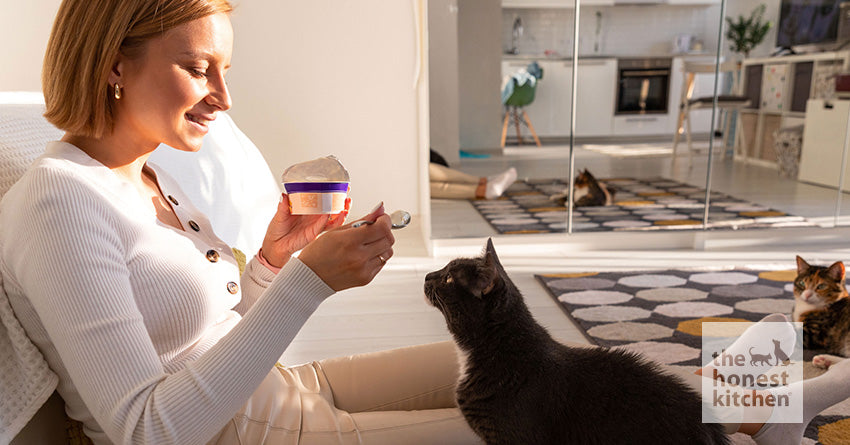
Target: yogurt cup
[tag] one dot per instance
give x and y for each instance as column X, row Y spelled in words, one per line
column 315, row 198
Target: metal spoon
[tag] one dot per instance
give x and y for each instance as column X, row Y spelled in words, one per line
column 399, row 219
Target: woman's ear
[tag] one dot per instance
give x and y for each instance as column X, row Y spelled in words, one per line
column 117, row 71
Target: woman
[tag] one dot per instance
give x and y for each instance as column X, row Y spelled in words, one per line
column 139, row 308
column 447, row 183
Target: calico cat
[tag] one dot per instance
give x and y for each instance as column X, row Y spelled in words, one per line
column 821, row 304
column 520, row 386
column 589, row 192
column 816, row 287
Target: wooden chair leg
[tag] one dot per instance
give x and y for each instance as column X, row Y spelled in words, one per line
column 531, row 128
column 739, row 140
column 518, row 130
column 727, row 127
column 690, row 142
column 677, row 136
column 505, row 127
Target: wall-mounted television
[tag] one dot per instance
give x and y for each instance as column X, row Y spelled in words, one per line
column 807, row 22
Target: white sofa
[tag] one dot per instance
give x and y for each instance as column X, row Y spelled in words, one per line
column 228, row 179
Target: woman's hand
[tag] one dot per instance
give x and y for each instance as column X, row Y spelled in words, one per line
column 347, row 256
column 288, row 233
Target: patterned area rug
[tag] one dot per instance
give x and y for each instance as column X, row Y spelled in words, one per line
column 660, row 315
column 640, row 204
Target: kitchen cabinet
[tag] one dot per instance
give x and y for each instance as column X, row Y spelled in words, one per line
column 553, row 3
column 597, row 85
column 823, row 143
column 550, row 111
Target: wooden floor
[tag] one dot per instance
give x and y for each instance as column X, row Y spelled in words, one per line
column 391, row 311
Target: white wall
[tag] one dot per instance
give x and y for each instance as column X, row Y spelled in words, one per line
column 623, row 30
column 443, row 77
column 319, row 77
column 309, row 78
column 24, row 29
column 479, row 74
column 642, row 30
column 734, row 8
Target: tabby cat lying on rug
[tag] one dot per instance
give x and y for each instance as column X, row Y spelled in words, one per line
column 520, row 386
column 589, row 192
column 821, row 304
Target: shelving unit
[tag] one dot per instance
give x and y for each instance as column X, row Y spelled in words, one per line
column 779, row 88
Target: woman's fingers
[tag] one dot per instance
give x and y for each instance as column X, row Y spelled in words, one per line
column 348, row 257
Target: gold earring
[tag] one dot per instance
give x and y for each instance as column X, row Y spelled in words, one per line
column 117, row 91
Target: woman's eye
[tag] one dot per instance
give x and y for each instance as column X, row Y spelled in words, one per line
column 197, row 72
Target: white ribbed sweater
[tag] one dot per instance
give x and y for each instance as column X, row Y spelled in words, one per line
column 140, row 326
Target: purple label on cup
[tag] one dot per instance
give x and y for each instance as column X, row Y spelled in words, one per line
column 316, row 187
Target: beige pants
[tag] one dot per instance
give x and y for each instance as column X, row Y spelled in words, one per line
column 448, row 183
column 400, row 396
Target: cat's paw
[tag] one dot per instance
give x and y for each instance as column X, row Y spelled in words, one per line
column 826, row 360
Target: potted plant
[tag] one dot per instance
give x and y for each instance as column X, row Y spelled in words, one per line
column 745, row 33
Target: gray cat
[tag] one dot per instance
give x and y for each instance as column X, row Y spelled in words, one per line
column 520, row 386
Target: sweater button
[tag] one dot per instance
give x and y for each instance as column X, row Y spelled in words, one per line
column 232, row 287
column 173, row 200
column 194, row 226
column 213, row 255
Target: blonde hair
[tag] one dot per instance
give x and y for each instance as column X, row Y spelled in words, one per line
column 87, row 37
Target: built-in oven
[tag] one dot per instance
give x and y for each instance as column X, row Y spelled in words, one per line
column 643, row 85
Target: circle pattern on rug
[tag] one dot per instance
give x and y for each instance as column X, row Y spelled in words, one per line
column 779, row 275
column 652, row 280
column 661, row 352
column 693, row 309
column 582, row 283
column 595, row 297
column 671, row 294
column 748, row 291
column 694, row 327
column 611, row 313
column 766, row 305
column 630, row 331
column 723, row 278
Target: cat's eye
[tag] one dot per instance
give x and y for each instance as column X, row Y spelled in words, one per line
column 449, row 279
column 821, row 286
column 801, row 285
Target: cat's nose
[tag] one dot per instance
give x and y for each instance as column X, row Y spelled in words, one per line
column 431, row 275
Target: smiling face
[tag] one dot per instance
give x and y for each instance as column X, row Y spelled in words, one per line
column 175, row 87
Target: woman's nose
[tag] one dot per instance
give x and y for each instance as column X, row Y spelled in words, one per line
column 219, row 96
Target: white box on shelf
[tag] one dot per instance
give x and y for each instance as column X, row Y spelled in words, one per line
column 824, row 133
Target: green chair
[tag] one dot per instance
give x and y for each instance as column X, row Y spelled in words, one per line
column 517, row 93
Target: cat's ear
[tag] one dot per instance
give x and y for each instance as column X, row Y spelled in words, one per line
column 490, row 276
column 802, row 266
column 490, row 254
column 836, row 271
